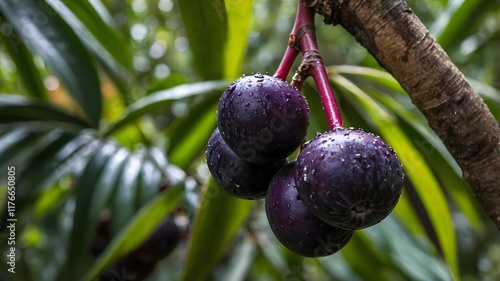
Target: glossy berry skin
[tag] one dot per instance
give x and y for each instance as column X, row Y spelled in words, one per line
column 349, row 178
column 236, row 176
column 293, row 223
column 262, row 118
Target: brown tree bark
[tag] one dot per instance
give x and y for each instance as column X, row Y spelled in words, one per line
column 399, row 41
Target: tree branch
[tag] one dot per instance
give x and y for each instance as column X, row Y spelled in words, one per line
column 399, row 41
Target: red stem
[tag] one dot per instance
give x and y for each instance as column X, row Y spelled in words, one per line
column 286, row 63
column 289, row 56
column 308, row 45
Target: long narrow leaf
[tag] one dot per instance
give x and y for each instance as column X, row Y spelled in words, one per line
column 124, row 194
column 195, row 142
column 148, row 184
column 137, row 230
column 48, row 36
column 412, row 256
column 86, row 214
column 219, row 217
column 93, row 31
column 455, row 23
column 206, row 27
column 239, row 13
column 15, row 108
column 163, row 98
column 41, row 165
column 373, row 265
column 22, row 57
column 111, row 50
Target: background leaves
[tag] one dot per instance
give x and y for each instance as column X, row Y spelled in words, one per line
column 48, row 36
column 105, row 101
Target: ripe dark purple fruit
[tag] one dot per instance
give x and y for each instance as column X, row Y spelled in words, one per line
column 235, row 175
column 262, row 118
column 293, row 223
column 349, row 178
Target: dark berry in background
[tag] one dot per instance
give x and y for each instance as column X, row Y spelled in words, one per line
column 262, row 118
column 349, row 178
column 141, row 262
column 103, row 234
column 160, row 244
column 293, row 223
column 235, row 175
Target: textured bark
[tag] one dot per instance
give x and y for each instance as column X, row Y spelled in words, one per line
column 399, row 41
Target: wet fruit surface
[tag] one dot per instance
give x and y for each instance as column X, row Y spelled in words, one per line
column 235, row 175
column 293, row 223
column 262, row 118
column 349, row 178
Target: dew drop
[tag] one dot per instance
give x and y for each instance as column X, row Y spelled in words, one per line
column 231, row 88
column 304, row 177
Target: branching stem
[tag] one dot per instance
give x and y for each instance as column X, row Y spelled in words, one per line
column 303, row 39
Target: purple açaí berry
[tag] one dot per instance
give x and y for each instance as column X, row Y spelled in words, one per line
column 262, row 118
column 349, row 178
column 236, row 176
column 295, row 225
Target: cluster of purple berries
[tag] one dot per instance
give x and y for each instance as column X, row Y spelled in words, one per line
column 139, row 264
column 342, row 180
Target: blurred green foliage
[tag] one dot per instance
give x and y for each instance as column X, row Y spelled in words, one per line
column 101, row 100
